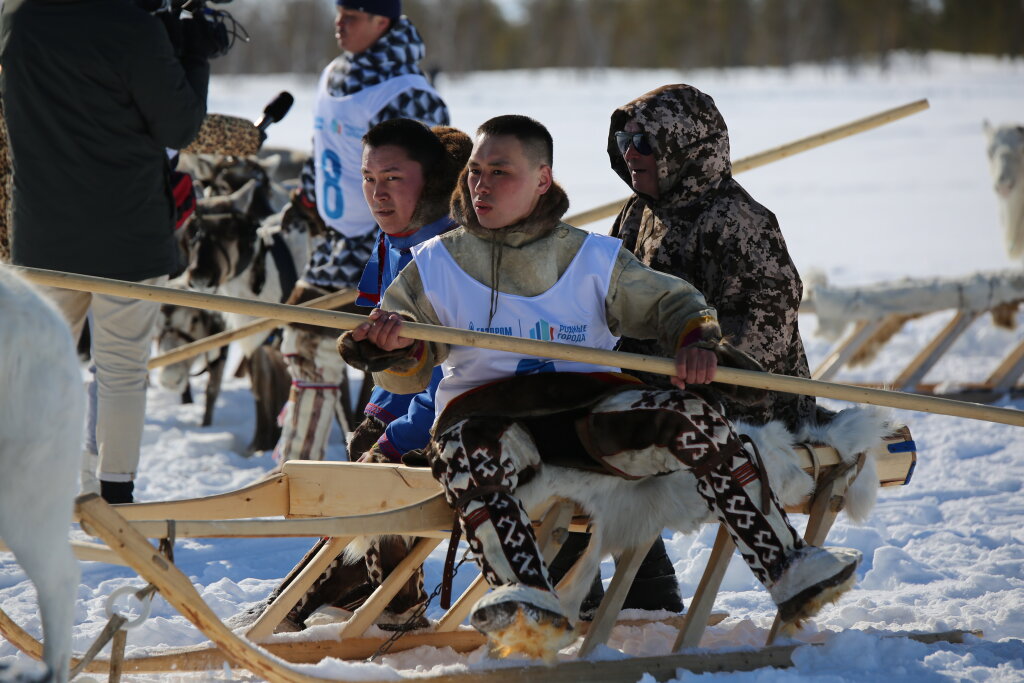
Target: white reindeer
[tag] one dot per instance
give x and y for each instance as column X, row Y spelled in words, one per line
column 1006, row 162
column 42, row 409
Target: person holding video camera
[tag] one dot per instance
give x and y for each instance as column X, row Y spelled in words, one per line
column 95, row 92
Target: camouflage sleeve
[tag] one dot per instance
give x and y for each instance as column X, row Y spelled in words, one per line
column 406, row 296
column 756, row 290
column 225, row 135
column 645, row 304
column 627, row 224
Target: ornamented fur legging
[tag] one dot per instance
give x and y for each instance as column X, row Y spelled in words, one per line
column 636, row 433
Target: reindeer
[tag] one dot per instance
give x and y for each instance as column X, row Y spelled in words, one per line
column 223, row 175
column 1006, row 162
column 181, row 325
column 231, row 253
column 42, row 409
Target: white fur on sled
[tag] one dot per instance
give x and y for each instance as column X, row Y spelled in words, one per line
column 626, row 513
column 854, row 431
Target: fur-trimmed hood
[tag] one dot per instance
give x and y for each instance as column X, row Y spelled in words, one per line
column 690, row 139
column 545, row 216
column 440, row 181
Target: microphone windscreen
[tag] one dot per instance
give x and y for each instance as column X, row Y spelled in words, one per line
column 280, row 105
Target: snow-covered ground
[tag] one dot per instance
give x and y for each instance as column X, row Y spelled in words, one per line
column 911, row 199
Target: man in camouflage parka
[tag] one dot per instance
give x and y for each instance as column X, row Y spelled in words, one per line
column 696, row 222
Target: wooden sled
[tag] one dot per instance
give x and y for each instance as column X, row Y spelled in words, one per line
column 875, row 332
column 343, row 500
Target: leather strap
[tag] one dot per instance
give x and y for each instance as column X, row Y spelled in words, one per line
column 448, row 574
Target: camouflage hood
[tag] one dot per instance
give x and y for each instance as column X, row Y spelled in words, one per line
column 690, row 138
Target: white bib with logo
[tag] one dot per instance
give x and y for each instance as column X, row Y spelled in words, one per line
column 339, row 124
column 572, row 311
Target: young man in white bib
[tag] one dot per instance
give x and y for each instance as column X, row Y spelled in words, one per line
column 513, row 430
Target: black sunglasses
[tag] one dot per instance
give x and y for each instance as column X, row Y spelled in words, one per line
column 640, row 142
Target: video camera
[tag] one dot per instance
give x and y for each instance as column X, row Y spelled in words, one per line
column 196, row 28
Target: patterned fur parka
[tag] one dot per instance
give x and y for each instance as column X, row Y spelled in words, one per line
column 706, row 229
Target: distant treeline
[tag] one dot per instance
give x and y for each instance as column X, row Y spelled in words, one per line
column 472, row 35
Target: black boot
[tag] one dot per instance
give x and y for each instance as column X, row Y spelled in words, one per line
column 655, row 586
column 115, row 492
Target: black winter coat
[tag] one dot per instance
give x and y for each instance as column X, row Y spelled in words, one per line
column 93, row 94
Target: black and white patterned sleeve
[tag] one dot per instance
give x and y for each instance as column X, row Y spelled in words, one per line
column 307, row 181
column 422, row 105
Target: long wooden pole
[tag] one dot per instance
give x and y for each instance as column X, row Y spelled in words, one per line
column 776, row 153
column 215, row 341
column 456, row 337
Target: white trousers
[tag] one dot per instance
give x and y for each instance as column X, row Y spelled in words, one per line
column 122, row 338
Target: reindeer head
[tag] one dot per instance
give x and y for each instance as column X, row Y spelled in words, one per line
column 1005, row 156
column 1006, row 162
column 224, row 175
column 222, row 238
column 182, row 326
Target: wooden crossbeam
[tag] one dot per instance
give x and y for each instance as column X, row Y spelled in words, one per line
column 266, row 498
column 862, row 334
column 604, row 619
column 1005, row 376
column 278, row 609
column 431, row 518
column 926, row 359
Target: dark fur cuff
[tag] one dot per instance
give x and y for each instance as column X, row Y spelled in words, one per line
column 731, row 357
column 369, row 357
column 364, row 436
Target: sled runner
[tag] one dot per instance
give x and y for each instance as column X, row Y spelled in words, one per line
column 342, row 500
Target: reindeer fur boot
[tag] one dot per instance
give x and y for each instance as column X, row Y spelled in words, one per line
column 814, row 578
column 522, row 620
column 480, row 462
column 625, row 429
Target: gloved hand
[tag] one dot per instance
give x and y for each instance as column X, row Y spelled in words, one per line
column 365, row 436
column 416, row 458
column 197, row 44
column 368, row 357
column 731, row 357
column 302, row 209
column 172, row 24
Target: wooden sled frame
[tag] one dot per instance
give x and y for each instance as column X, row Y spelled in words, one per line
column 866, row 333
column 342, row 500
